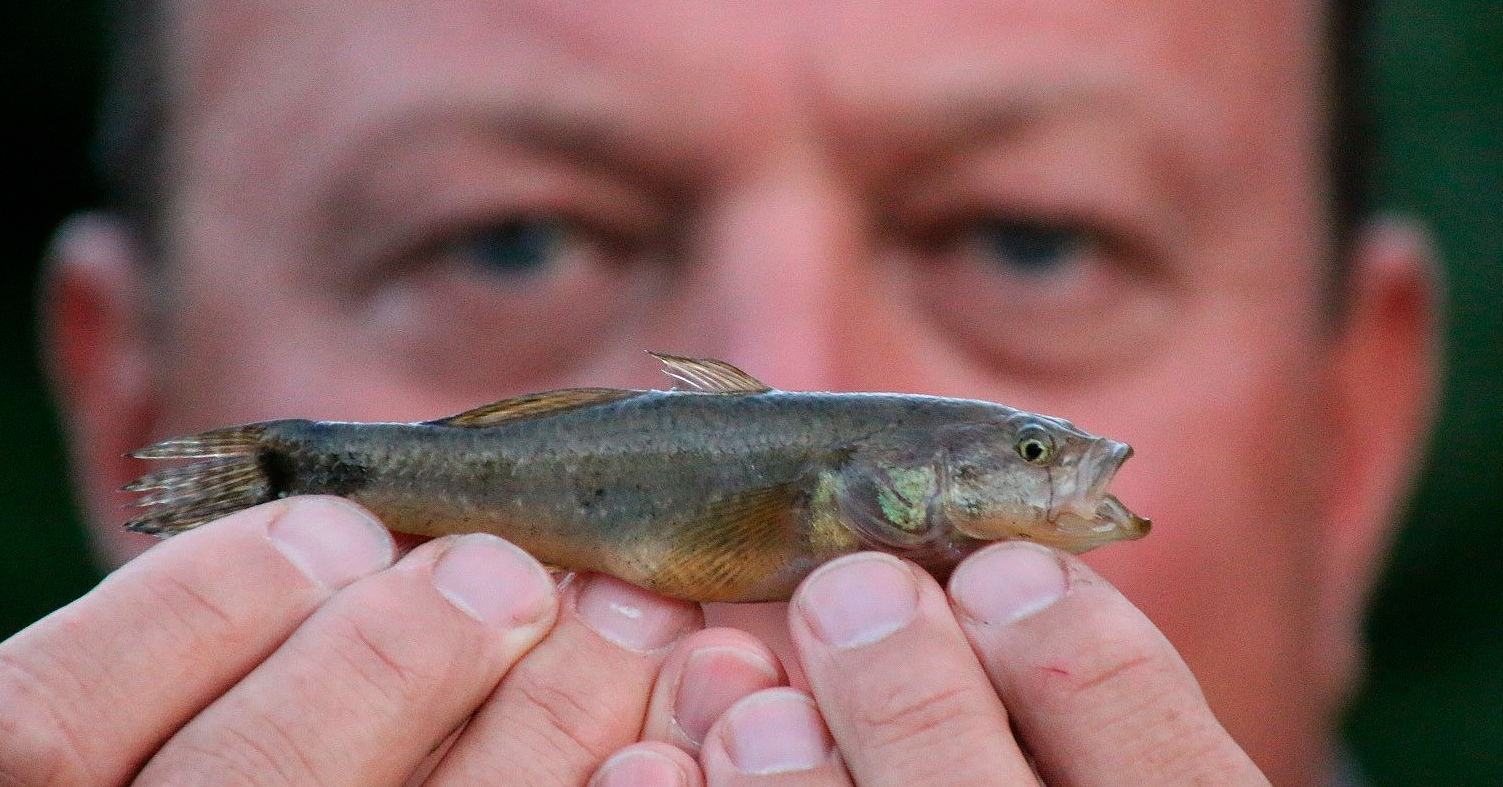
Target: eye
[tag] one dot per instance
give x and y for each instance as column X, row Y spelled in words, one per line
column 1031, row 248
column 518, row 247
column 1037, row 448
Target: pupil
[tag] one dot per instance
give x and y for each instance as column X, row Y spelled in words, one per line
column 1032, row 450
column 517, row 247
column 1030, row 247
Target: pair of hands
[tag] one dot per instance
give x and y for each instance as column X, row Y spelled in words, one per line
column 287, row 644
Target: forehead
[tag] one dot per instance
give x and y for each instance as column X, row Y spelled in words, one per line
column 1216, row 70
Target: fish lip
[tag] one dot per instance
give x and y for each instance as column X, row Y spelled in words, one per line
column 1120, row 519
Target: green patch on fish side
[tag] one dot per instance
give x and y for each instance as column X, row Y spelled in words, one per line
column 905, row 498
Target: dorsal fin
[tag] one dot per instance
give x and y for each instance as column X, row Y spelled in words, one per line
column 709, row 375
column 535, row 405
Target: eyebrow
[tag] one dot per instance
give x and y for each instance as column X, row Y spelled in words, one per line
column 349, row 201
column 596, row 137
column 942, row 121
column 908, row 130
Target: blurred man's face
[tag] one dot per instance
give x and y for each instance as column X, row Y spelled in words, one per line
column 1109, row 212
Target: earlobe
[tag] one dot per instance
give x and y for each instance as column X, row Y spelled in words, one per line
column 95, row 346
column 1385, row 376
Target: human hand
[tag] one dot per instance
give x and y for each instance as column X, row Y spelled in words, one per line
column 1031, row 652
column 283, row 645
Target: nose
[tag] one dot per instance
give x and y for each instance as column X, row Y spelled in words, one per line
column 786, row 280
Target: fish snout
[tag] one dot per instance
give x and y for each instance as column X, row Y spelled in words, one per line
column 1082, row 494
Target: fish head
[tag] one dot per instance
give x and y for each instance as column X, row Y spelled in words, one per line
column 1036, row 478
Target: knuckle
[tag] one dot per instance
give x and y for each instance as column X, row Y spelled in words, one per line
column 565, row 719
column 907, row 714
column 37, row 747
column 382, row 667
column 234, row 755
column 193, row 611
column 1088, row 677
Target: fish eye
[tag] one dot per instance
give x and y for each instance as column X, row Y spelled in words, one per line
column 1036, row 448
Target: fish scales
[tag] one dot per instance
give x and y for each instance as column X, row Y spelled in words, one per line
column 732, row 492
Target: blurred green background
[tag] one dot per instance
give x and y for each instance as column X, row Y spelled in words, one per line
column 1432, row 709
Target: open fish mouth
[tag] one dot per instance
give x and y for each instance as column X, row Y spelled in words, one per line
column 1082, row 504
column 1113, row 517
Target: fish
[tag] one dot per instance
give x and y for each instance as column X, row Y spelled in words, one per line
column 720, row 489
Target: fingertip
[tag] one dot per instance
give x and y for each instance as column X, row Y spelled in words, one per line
column 332, row 541
column 704, row 675
column 1007, row 582
column 636, row 619
column 492, row 580
column 774, row 731
column 648, row 764
column 857, row 600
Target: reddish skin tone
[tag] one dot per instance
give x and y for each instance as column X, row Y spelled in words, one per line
column 791, row 166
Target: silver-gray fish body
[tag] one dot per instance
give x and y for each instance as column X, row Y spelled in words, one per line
column 729, row 492
column 619, row 487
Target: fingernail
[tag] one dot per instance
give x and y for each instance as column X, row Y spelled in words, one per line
column 331, row 541
column 630, row 616
column 776, row 731
column 1008, row 582
column 639, row 768
column 859, row 599
column 713, row 679
column 492, row 581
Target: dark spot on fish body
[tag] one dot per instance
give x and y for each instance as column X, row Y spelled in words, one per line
column 279, row 469
column 342, row 475
column 296, row 472
column 588, row 498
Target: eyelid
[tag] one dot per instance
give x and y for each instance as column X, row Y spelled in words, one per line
column 1034, row 432
column 1120, row 243
column 1107, row 194
column 401, row 207
column 421, row 241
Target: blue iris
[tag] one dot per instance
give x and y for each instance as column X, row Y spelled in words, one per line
column 517, row 248
column 1028, row 247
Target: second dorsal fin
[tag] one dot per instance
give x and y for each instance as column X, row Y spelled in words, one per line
column 535, row 405
column 709, row 375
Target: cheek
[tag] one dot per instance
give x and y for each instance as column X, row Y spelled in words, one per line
column 232, row 362
column 1229, row 571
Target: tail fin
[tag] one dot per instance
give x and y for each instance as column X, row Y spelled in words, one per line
column 182, row 498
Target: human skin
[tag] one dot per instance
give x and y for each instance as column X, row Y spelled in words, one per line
column 797, row 190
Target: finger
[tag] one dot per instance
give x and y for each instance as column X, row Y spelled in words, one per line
column 92, row 690
column 896, row 680
column 1096, row 692
column 577, row 697
column 377, row 677
column 773, row 738
column 650, row 764
column 704, row 675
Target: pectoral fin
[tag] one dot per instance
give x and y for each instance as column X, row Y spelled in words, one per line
column 535, row 406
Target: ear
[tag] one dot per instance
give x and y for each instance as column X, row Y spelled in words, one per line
column 95, row 346
column 1385, row 376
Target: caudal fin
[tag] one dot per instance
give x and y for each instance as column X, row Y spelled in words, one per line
column 230, row 478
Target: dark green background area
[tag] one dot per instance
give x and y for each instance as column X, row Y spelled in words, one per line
column 1432, row 709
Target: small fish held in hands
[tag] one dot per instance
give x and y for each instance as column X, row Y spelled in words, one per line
column 725, row 491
